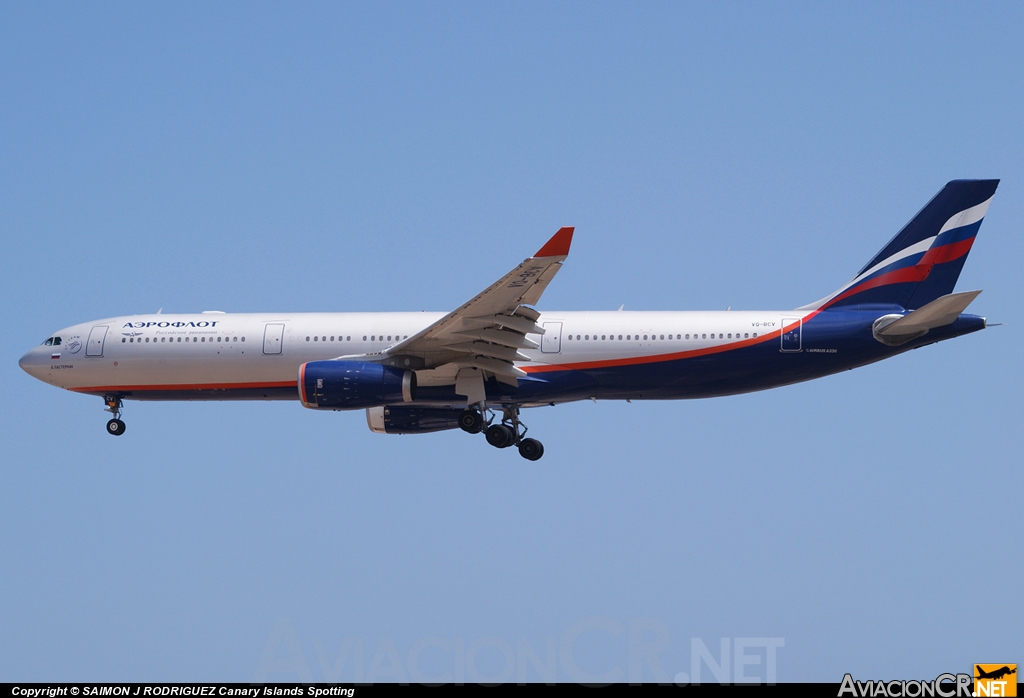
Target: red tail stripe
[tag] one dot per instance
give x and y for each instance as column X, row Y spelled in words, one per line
column 947, row 253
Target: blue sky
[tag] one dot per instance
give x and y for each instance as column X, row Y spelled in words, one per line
column 381, row 157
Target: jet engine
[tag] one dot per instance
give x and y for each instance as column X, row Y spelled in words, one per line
column 350, row 385
column 411, row 420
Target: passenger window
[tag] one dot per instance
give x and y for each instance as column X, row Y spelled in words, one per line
column 703, row 336
column 332, row 337
column 645, row 336
column 348, row 339
column 389, row 338
column 315, row 338
column 746, row 335
column 364, row 337
column 755, row 334
column 123, row 340
column 243, row 339
column 663, row 336
column 620, row 336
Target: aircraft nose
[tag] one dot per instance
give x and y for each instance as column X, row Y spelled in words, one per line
column 30, row 363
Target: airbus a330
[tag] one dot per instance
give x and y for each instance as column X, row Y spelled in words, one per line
column 478, row 366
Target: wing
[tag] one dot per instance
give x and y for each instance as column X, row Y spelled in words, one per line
column 487, row 331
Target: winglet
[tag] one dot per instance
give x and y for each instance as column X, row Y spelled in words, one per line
column 558, row 245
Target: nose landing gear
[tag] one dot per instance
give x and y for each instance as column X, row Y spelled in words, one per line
column 115, row 427
column 509, row 432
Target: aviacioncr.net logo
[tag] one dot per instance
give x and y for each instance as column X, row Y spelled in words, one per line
column 944, row 686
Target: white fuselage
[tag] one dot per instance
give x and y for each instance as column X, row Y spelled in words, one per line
column 228, row 351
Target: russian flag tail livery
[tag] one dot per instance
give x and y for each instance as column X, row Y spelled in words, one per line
column 923, row 261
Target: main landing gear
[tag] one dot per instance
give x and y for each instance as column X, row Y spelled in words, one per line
column 510, row 431
column 115, row 427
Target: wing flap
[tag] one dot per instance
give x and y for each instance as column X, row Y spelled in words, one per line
column 506, row 339
column 495, row 351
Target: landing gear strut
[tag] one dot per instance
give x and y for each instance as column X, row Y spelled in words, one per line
column 115, row 426
column 508, row 432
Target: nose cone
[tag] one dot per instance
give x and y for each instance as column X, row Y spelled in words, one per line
column 31, row 363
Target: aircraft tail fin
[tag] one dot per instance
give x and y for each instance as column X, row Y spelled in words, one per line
column 923, row 261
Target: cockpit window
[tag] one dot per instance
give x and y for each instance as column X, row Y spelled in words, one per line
column 56, row 341
column 48, row 342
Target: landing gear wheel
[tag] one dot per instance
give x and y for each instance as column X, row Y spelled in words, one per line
column 500, row 436
column 531, row 449
column 115, row 427
column 471, row 422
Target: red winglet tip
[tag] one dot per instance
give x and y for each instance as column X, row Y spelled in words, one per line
column 558, row 245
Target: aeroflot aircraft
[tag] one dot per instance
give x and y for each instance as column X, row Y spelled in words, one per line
column 476, row 367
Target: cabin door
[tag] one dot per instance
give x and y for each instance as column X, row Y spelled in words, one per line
column 551, row 340
column 273, row 338
column 96, row 339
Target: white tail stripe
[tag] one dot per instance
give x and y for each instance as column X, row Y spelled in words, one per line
column 967, row 216
column 905, row 252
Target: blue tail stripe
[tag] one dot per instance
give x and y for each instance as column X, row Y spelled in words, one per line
column 958, row 234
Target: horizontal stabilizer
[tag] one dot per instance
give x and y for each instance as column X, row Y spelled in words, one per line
column 939, row 313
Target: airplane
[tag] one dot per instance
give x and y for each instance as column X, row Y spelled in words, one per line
column 995, row 674
column 477, row 366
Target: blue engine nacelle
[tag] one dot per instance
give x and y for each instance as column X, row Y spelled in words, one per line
column 351, row 385
column 411, row 420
